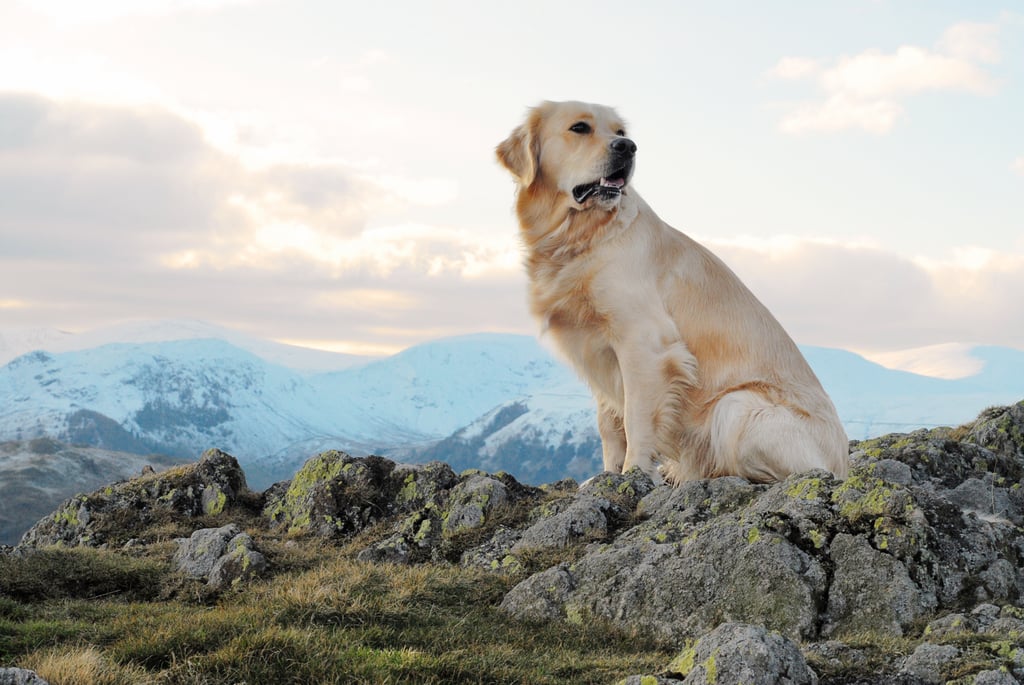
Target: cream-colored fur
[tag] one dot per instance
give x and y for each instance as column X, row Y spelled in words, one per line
column 692, row 375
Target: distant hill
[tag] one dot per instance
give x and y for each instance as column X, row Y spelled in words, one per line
column 37, row 475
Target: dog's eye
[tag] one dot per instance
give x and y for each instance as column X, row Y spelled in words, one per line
column 581, row 127
column 620, row 133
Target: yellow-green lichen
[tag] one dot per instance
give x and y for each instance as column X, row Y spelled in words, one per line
column 684, row 663
column 806, row 489
column 711, row 668
column 216, row 504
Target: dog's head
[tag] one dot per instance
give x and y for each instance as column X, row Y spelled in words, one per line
column 578, row 149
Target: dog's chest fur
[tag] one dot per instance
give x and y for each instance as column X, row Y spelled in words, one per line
column 574, row 294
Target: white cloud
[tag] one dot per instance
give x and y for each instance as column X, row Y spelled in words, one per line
column 860, row 297
column 113, row 212
column 867, row 91
column 972, row 42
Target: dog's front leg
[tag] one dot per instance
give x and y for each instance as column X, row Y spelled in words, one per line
column 613, row 437
column 657, row 372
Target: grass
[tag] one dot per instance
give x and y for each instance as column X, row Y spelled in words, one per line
column 323, row 618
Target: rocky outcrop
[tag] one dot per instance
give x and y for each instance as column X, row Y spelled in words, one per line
column 924, row 524
column 921, row 544
column 114, row 512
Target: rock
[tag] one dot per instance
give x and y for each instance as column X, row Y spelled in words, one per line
column 1001, row 430
column 116, row 513
column 472, row 502
column 735, row 653
column 952, row 624
column 587, row 518
column 421, row 485
column 415, row 541
column 870, row 590
column 221, row 556
column 994, row 678
column 542, row 596
column 20, row 676
column 240, row 562
column 929, row 662
column 334, row 495
column 625, row 489
column 495, row 553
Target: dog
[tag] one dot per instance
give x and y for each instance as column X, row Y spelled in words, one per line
column 693, row 377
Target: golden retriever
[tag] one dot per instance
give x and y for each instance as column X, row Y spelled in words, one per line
column 693, row 377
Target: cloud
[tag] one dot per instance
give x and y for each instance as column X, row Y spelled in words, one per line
column 110, row 212
column 867, row 91
column 862, row 297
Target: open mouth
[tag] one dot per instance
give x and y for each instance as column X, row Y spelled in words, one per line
column 608, row 186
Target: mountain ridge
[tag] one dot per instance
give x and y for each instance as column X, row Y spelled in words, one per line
column 182, row 396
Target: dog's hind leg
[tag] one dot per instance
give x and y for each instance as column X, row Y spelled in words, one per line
column 765, row 441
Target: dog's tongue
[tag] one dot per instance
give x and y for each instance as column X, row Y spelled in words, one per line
column 613, row 183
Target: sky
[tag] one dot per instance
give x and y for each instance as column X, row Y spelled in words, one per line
column 323, row 173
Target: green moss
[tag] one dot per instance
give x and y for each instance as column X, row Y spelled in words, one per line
column 817, row 538
column 753, row 535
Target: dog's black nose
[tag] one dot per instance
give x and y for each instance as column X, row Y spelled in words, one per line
column 623, row 146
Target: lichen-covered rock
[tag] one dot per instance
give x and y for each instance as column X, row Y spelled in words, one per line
column 416, row 540
column 586, row 518
column 736, row 653
column 929, row 662
column 197, row 553
column 421, row 485
column 472, row 502
column 1000, row 430
column 994, row 677
column 542, row 596
column 625, row 489
column 871, row 590
column 924, row 525
column 335, row 494
column 239, row 563
column 20, row 676
column 118, row 512
column 221, row 556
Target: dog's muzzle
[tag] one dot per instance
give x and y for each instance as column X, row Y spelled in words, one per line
column 616, row 175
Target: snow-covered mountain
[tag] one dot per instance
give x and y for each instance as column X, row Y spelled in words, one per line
column 489, row 400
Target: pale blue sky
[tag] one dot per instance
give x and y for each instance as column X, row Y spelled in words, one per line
column 323, row 171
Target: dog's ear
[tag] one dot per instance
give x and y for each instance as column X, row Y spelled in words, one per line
column 520, row 152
